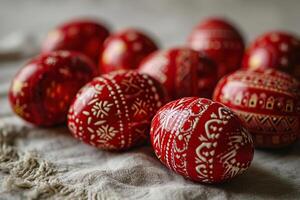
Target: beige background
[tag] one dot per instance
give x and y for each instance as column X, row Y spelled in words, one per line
column 170, row 20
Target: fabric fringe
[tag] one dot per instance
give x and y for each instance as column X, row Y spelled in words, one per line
column 29, row 174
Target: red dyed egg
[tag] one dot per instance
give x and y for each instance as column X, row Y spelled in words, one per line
column 278, row 50
column 84, row 35
column 43, row 89
column 114, row 111
column 181, row 71
column 220, row 41
column 125, row 50
column 206, row 77
column 268, row 103
column 201, row 140
column 176, row 69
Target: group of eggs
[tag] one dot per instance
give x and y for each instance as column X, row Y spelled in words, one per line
column 115, row 88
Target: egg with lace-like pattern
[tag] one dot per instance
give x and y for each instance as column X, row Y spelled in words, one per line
column 84, row 35
column 182, row 71
column 268, row 103
column 201, row 140
column 42, row 91
column 114, row 111
column 219, row 40
column 124, row 50
column 274, row 50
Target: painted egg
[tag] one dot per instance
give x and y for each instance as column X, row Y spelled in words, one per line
column 201, row 140
column 176, row 69
column 206, row 77
column 267, row 102
column 114, row 111
column 125, row 50
column 277, row 50
column 181, row 71
column 220, row 41
column 84, row 35
column 43, row 89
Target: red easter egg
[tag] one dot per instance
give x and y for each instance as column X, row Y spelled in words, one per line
column 125, row 50
column 201, row 140
column 43, row 89
column 267, row 102
column 175, row 68
column 114, row 111
column 181, row 71
column 277, row 50
column 84, row 35
column 206, row 77
column 220, row 41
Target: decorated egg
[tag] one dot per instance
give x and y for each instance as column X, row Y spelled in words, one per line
column 84, row 35
column 206, row 77
column 201, row 140
column 277, row 50
column 267, row 102
column 176, row 69
column 181, row 71
column 114, row 111
column 43, row 89
column 125, row 50
column 220, row 41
